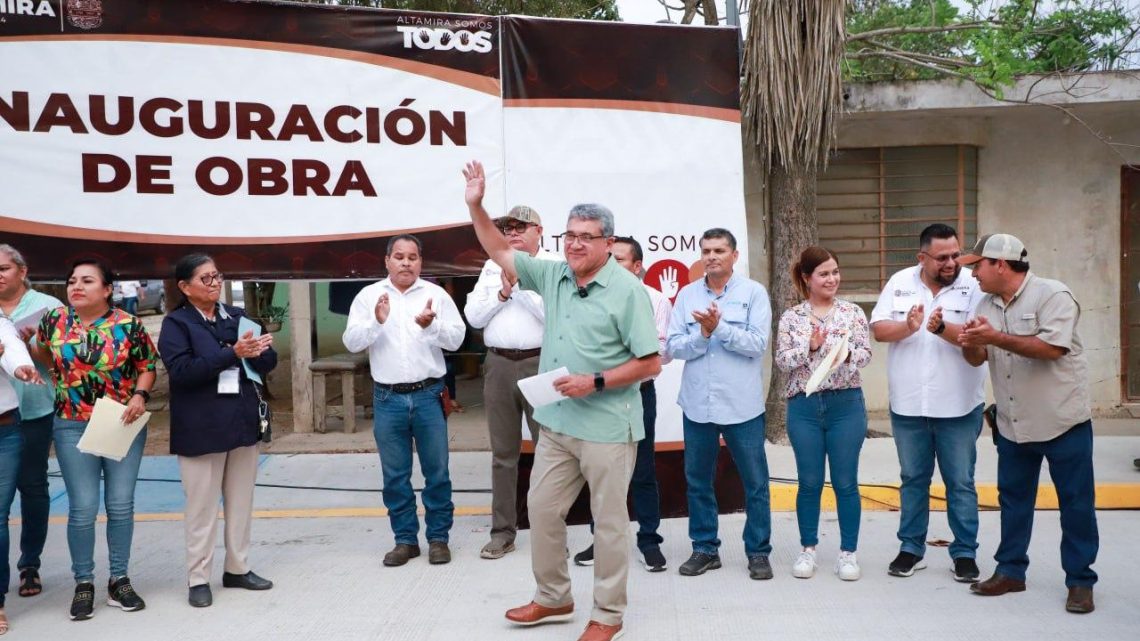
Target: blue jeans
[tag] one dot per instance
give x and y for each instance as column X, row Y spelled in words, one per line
column 131, row 305
column 953, row 442
column 35, row 501
column 1071, row 466
column 643, row 484
column 745, row 443
column 399, row 420
column 828, row 427
column 11, row 443
column 81, row 475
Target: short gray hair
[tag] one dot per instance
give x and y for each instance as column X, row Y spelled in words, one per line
column 17, row 258
column 593, row 211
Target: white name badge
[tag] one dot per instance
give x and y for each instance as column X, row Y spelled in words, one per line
column 228, row 381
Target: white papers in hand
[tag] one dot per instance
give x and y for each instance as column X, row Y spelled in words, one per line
column 246, row 325
column 539, row 390
column 835, row 357
column 31, row 320
column 106, row 435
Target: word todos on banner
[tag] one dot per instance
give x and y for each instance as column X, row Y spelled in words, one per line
column 440, row 39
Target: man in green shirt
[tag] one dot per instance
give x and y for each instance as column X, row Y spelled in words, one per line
column 599, row 326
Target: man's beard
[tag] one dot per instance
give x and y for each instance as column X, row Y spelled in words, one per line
column 946, row 281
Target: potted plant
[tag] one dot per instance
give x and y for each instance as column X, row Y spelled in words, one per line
column 272, row 316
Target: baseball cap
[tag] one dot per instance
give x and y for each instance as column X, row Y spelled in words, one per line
column 996, row 246
column 520, row 213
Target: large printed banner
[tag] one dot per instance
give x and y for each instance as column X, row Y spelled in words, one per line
column 289, row 140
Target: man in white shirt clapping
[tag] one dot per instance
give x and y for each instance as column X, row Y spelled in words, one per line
column 936, row 402
column 405, row 323
column 512, row 324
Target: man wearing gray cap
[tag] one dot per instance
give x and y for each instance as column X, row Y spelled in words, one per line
column 512, row 324
column 1026, row 328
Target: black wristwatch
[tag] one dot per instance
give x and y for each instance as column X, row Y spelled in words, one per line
column 599, row 382
column 941, row 328
column 143, row 393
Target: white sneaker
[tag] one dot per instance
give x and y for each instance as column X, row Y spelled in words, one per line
column 804, row 567
column 847, row 567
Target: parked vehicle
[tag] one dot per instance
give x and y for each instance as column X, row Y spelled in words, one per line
column 152, row 297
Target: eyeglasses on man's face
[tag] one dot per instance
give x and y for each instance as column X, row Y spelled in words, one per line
column 571, row 238
column 514, row 228
column 944, row 258
column 210, row 279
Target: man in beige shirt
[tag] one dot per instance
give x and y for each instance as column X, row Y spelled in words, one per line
column 1026, row 328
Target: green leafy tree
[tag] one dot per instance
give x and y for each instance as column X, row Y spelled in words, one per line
column 926, row 39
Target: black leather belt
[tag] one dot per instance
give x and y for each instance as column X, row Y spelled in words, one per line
column 10, row 417
column 516, row 354
column 408, row 388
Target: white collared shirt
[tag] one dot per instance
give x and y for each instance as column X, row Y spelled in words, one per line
column 400, row 351
column 662, row 310
column 129, row 288
column 515, row 324
column 15, row 356
column 219, row 312
column 926, row 374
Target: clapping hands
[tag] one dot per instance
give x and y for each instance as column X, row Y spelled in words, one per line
column 708, row 319
column 250, row 346
column 425, row 318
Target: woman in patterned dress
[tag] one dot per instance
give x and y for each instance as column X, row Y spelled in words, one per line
column 97, row 351
column 830, row 424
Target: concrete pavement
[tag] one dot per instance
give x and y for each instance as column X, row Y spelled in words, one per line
column 330, row 585
column 323, row 547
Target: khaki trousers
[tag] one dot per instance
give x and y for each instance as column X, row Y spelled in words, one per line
column 506, row 407
column 229, row 476
column 562, row 465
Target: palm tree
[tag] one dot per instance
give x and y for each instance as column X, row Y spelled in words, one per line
column 792, row 95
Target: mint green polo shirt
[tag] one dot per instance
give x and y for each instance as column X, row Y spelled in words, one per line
column 610, row 326
column 36, row 401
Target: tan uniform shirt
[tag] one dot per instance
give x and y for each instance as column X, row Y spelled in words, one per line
column 1038, row 400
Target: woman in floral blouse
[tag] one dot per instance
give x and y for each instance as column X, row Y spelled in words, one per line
column 96, row 351
column 831, row 423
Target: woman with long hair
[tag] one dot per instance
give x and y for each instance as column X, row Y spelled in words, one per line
column 829, row 425
column 216, row 411
column 97, row 351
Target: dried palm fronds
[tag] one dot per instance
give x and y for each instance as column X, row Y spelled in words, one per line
column 792, row 88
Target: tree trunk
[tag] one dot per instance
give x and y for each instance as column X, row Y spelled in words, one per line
column 791, row 198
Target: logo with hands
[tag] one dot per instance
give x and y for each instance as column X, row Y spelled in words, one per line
column 668, row 282
column 667, row 275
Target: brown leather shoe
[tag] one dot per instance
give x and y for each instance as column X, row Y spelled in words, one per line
column 1080, row 599
column 534, row 614
column 496, row 549
column 401, row 554
column 601, row 632
column 438, row 553
column 997, row 585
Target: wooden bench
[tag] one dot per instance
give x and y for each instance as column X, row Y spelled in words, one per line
column 348, row 366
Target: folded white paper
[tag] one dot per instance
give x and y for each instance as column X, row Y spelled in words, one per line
column 539, row 389
column 835, row 357
column 106, row 435
column 31, row 320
